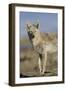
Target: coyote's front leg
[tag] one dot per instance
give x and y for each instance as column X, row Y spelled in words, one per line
column 44, row 61
column 40, row 66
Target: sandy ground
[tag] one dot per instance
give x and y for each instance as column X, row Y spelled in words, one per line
column 29, row 64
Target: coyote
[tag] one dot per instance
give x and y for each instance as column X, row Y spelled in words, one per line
column 41, row 46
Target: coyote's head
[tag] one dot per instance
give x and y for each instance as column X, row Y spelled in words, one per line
column 32, row 30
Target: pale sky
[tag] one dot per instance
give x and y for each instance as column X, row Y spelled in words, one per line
column 48, row 21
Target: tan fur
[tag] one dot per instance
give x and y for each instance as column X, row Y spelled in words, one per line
column 41, row 46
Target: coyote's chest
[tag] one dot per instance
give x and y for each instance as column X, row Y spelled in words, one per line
column 38, row 44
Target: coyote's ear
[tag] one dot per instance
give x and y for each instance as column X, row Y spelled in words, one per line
column 28, row 26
